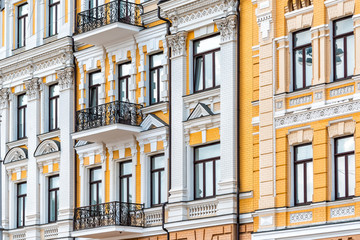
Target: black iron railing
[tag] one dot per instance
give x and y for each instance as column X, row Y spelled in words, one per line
column 115, row 11
column 108, row 114
column 109, row 214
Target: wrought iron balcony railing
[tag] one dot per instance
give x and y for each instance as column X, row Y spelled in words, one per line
column 115, row 11
column 109, row 214
column 108, row 114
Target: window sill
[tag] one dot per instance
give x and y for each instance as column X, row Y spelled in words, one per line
column 18, row 50
column 162, row 106
column 48, row 135
column 17, row 143
column 200, row 95
column 50, row 38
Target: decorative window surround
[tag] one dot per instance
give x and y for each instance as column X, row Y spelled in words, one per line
column 17, row 143
column 210, row 98
column 342, row 212
column 343, row 128
column 301, row 217
column 16, row 154
column 152, row 121
column 339, row 8
column 300, row 136
column 164, row 106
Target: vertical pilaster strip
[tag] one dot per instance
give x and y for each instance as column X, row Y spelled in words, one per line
column 356, row 19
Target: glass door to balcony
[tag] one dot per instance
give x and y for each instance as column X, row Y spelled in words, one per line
column 124, row 11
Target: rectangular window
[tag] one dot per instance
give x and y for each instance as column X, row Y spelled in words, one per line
column 303, row 169
column 344, row 54
column 21, row 116
column 53, row 198
column 206, row 161
column 156, row 70
column 124, row 82
column 21, row 24
column 53, row 107
column 207, row 63
column 21, row 204
column 95, row 186
column 93, row 3
column 53, row 16
column 94, row 84
column 158, row 180
column 302, row 59
column 344, row 167
column 126, row 182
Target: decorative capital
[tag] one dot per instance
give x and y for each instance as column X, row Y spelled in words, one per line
column 177, row 42
column 4, row 98
column 227, row 28
column 229, row 6
column 66, row 78
column 32, row 88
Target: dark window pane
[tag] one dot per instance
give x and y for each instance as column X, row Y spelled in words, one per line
column 52, row 206
column 199, row 74
column 20, row 212
column 154, row 87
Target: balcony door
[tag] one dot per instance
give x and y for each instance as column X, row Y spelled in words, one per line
column 124, row 11
column 94, row 85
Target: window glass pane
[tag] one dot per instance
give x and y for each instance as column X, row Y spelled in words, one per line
column 304, row 152
column 298, row 69
column 350, row 55
column 20, row 212
column 308, row 65
column 160, row 82
column 52, row 20
column 93, row 97
column 339, row 58
column 309, row 181
column 206, row 152
column 302, row 38
column 345, row 145
column 54, row 182
column 217, row 175
column 53, row 105
column 123, row 90
column 22, row 100
column 155, row 187
column 126, row 168
column 130, row 189
column 163, row 186
column 95, row 174
column 95, row 78
column 198, row 74
column 52, row 206
column 54, row 90
column 340, row 177
column 99, row 192
column 156, row 60
column 22, row 189
column 199, row 181
column 154, row 86
column 209, row 179
column 94, row 194
column 300, row 183
column 125, row 69
column 209, row 70
column 23, row 10
column 217, row 69
column 351, row 176
column 343, row 26
column 207, row 44
column 21, row 123
column 124, row 190
column 158, row 162
column 21, row 32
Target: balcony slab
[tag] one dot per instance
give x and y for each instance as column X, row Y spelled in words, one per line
column 108, row 232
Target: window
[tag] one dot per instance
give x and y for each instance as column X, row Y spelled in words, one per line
column 93, row 3
column 53, row 16
column 207, row 63
column 95, row 186
column 53, row 198
column 344, row 56
column 158, row 180
column 94, row 84
column 124, row 82
column 156, row 70
column 21, row 203
column 206, row 170
column 302, row 54
column 126, row 182
column 344, row 167
column 303, row 169
column 21, row 24
column 53, row 107
column 21, row 116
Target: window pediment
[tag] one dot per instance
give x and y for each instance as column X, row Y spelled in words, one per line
column 201, row 110
column 46, row 147
column 16, row 154
column 152, row 122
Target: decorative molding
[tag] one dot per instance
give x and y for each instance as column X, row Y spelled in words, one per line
column 32, row 88
column 151, row 122
column 301, row 217
column 46, row 147
column 341, row 128
column 341, row 91
column 264, row 20
column 153, row 217
column 227, row 28
column 300, row 100
column 317, row 114
column 66, row 78
column 318, row 95
column 201, row 110
column 15, row 154
column 4, row 98
column 203, row 210
column 337, row 9
column 279, row 104
column 342, row 211
column 300, row 136
column 177, row 42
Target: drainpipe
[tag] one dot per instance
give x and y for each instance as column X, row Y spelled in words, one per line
column 168, row 32
column 238, row 123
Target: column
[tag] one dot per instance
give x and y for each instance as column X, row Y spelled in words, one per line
column 66, row 191
column 178, row 191
column 32, row 211
column 228, row 117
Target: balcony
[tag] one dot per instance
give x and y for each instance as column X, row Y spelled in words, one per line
column 108, row 122
column 108, row 220
column 109, row 22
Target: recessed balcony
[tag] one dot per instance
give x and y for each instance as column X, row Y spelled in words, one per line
column 109, row 122
column 109, row 22
column 108, row 220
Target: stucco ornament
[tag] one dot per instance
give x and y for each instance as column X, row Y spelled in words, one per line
column 66, row 78
column 177, row 42
column 227, row 28
column 32, row 88
column 4, row 97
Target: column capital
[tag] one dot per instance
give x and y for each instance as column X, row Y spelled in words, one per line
column 32, row 88
column 4, row 98
column 227, row 28
column 177, row 42
column 66, row 78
